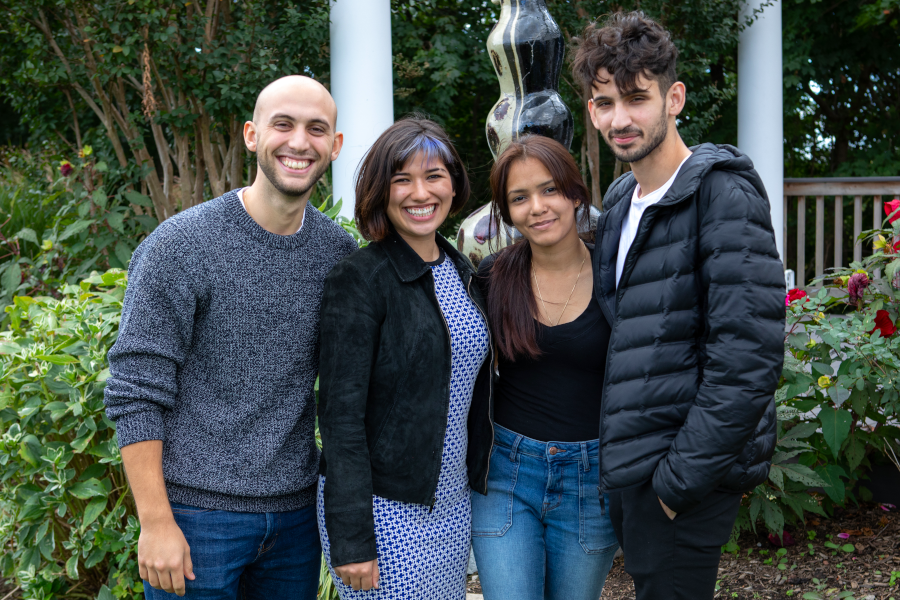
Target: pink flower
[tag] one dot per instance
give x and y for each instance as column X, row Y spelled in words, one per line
column 887, row 507
column 786, row 538
column 890, row 207
column 857, row 285
column 844, row 536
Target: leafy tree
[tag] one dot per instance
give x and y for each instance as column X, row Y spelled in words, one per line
column 442, row 68
column 170, row 84
column 842, row 87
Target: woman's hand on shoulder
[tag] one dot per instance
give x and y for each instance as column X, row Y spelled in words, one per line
column 359, row 576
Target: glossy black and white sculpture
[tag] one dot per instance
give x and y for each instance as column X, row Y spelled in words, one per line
column 527, row 49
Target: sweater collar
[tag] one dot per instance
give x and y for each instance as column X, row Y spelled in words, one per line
column 410, row 266
column 236, row 213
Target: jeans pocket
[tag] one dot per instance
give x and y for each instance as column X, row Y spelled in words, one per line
column 186, row 510
column 492, row 514
column 595, row 532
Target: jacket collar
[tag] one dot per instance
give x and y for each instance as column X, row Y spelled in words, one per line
column 703, row 159
column 410, row 266
column 617, row 202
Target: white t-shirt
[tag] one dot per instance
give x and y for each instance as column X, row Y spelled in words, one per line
column 633, row 218
column 240, row 194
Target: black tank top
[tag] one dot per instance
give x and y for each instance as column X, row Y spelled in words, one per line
column 557, row 396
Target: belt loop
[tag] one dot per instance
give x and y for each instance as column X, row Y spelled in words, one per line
column 515, row 449
column 585, row 458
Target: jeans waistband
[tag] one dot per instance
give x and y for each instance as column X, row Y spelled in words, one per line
column 551, row 451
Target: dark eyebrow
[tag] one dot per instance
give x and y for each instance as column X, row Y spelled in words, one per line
column 287, row 117
column 625, row 94
column 426, row 172
column 540, row 185
column 281, row 117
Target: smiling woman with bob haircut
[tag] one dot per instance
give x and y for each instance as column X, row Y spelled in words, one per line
column 404, row 343
column 540, row 532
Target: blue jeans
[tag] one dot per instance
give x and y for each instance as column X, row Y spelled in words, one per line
column 251, row 556
column 539, row 533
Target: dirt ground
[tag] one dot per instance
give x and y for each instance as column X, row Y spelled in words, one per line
column 8, row 592
column 818, row 564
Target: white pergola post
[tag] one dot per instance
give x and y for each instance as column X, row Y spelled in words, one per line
column 361, row 83
column 761, row 104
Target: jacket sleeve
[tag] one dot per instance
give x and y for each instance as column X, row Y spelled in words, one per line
column 351, row 316
column 743, row 344
column 155, row 334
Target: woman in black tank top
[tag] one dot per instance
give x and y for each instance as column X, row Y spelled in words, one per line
column 541, row 532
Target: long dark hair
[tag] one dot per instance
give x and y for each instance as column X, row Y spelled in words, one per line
column 511, row 305
column 399, row 142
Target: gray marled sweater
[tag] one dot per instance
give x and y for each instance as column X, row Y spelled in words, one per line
column 217, row 355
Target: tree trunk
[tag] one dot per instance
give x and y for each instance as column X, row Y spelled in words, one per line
column 593, row 152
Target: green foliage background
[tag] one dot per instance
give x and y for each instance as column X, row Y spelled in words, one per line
column 67, row 527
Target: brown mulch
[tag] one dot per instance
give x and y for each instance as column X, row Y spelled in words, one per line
column 8, row 591
column 754, row 573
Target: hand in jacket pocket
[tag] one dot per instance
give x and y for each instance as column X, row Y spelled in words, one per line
column 669, row 512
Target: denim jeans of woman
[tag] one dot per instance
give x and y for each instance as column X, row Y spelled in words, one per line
column 539, row 534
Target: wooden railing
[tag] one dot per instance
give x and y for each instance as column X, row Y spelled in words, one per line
column 844, row 194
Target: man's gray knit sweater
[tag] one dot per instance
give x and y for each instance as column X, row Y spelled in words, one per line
column 218, row 352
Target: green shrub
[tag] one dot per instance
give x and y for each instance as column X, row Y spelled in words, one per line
column 839, row 398
column 67, row 524
column 60, row 222
column 67, row 527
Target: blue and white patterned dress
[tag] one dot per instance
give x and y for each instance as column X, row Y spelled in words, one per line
column 423, row 555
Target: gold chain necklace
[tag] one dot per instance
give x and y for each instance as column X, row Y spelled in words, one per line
column 534, row 274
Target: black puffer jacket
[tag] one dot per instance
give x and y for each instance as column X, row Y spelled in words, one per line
column 698, row 331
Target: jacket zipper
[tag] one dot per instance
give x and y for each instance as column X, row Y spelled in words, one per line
column 606, row 367
column 490, row 380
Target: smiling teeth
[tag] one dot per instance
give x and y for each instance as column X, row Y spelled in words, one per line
column 295, row 164
column 421, row 212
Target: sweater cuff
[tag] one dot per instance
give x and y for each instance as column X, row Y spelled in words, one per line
column 140, row 427
column 351, row 535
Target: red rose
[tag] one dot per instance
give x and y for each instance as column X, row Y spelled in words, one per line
column 890, row 207
column 884, row 324
column 794, row 294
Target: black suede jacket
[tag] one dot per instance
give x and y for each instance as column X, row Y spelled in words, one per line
column 384, row 389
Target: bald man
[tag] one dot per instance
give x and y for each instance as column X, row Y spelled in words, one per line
column 213, row 373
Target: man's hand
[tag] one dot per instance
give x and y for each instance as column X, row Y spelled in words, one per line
column 359, row 576
column 669, row 512
column 164, row 557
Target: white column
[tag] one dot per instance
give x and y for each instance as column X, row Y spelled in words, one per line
column 761, row 104
column 361, row 83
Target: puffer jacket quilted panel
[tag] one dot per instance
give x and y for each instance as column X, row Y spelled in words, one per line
column 698, row 330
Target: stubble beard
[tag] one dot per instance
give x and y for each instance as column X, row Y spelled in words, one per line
column 270, row 170
column 657, row 137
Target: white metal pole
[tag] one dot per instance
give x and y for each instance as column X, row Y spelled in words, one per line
column 761, row 103
column 361, row 83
